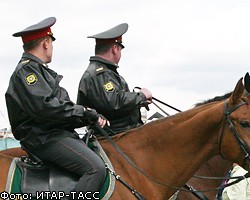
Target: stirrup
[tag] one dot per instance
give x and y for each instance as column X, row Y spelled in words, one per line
column 88, row 136
column 33, row 158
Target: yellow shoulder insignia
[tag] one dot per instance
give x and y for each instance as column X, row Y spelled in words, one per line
column 31, row 79
column 25, row 62
column 109, row 86
column 99, row 69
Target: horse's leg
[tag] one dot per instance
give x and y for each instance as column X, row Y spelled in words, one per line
column 5, row 162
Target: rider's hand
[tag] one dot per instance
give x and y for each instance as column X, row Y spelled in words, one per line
column 147, row 94
column 102, row 121
column 91, row 116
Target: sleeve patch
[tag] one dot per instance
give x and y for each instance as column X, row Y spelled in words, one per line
column 31, row 79
column 109, row 86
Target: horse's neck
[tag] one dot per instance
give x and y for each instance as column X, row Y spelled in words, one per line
column 172, row 149
column 179, row 143
column 194, row 131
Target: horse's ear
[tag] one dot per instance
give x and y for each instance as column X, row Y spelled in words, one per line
column 237, row 93
column 247, row 82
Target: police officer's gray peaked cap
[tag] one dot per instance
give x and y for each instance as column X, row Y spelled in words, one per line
column 36, row 31
column 113, row 35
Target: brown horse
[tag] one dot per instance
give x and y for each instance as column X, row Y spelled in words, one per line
column 171, row 150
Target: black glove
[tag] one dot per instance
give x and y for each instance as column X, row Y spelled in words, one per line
column 90, row 116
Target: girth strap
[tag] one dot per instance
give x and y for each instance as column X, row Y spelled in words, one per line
column 134, row 192
column 196, row 193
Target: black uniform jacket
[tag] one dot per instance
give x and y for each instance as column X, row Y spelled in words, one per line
column 102, row 88
column 39, row 110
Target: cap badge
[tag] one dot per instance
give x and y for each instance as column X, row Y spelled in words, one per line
column 109, row 86
column 31, row 79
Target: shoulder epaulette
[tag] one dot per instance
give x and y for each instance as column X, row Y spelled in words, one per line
column 25, row 62
column 100, row 70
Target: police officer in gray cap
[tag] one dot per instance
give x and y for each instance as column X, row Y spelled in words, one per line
column 104, row 89
column 43, row 117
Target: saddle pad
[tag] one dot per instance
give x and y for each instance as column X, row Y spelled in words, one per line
column 15, row 176
column 109, row 184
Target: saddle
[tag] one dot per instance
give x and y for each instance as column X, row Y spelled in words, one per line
column 37, row 178
column 29, row 175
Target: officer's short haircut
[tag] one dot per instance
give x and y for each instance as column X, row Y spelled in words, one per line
column 33, row 44
column 103, row 48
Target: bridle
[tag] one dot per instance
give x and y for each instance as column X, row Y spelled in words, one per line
column 244, row 147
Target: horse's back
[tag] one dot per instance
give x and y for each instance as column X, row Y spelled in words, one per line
column 14, row 152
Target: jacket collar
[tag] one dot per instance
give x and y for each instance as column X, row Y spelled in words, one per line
column 34, row 58
column 28, row 56
column 104, row 61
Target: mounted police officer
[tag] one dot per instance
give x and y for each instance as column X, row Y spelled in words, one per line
column 43, row 117
column 104, row 89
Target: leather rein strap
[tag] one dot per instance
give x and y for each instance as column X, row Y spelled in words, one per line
column 165, row 104
column 133, row 191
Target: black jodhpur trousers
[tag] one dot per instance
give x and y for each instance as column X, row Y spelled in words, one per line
column 74, row 155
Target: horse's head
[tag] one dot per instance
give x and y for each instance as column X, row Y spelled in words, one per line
column 235, row 143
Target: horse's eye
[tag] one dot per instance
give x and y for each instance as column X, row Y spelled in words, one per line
column 245, row 124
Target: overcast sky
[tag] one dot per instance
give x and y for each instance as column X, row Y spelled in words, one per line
column 184, row 51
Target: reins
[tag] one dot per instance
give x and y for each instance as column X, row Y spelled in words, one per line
column 165, row 104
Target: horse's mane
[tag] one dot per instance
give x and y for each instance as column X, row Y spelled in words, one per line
column 217, row 98
column 206, row 104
